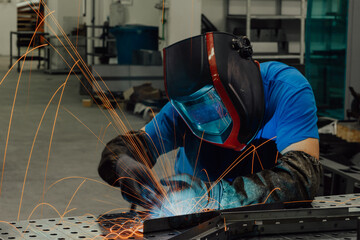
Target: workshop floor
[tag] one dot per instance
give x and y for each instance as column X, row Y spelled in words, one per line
column 74, row 156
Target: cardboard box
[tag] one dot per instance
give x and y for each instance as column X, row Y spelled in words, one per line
column 87, row 102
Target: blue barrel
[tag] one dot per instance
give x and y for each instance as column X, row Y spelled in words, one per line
column 134, row 37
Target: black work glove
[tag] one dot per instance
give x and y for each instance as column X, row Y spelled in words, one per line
column 134, row 144
column 137, row 182
column 128, row 157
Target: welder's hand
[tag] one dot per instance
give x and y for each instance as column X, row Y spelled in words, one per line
column 188, row 194
column 137, row 182
column 135, row 144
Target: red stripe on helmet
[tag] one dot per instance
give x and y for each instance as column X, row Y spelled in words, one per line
column 232, row 141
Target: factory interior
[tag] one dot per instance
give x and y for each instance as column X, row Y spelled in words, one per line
column 76, row 74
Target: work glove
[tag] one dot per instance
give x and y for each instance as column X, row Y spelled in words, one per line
column 125, row 162
column 137, row 182
column 295, row 177
column 136, row 144
column 187, row 194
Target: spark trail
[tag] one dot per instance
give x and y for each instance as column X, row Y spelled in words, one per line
column 131, row 227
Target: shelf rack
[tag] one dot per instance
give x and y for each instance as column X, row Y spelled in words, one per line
column 248, row 15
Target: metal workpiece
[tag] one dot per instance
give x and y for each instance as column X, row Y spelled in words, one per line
column 178, row 222
column 328, row 217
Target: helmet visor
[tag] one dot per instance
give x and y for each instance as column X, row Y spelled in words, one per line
column 205, row 114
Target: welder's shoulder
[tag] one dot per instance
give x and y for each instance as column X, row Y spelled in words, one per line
column 277, row 73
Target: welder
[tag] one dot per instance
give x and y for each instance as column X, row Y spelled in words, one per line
column 246, row 133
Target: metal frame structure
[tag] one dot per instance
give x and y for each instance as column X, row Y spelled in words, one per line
column 343, row 178
column 36, row 41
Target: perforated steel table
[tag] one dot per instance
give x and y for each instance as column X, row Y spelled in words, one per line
column 335, row 217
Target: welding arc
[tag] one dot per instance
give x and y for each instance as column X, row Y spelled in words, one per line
column 137, row 182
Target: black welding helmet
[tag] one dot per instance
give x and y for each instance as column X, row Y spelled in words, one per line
column 216, row 87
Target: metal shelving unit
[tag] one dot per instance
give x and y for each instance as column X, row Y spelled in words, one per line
column 102, row 45
column 243, row 17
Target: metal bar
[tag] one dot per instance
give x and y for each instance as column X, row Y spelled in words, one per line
column 227, row 5
column 278, row 7
column 39, row 51
column 248, row 18
column 262, row 212
column 18, row 48
column 201, row 228
column 287, row 214
column 48, row 56
column 302, row 31
column 178, row 222
column 220, row 228
column 84, row 8
column 93, row 31
column 11, row 48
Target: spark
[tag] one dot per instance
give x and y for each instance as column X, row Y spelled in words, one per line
column 32, row 148
column 129, row 227
column 276, row 158
column 72, row 197
column 13, row 107
column 54, row 124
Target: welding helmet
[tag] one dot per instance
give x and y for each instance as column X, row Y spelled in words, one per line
column 216, row 87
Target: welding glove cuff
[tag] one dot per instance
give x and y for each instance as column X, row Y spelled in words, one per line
column 296, row 176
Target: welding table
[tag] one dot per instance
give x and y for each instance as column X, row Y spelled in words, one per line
column 328, row 217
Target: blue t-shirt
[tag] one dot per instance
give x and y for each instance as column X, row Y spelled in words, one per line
column 290, row 117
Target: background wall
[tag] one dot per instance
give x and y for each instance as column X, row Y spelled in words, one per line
column 215, row 11
column 66, row 13
column 7, row 24
column 178, row 26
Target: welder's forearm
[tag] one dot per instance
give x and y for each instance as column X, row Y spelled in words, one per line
column 296, row 177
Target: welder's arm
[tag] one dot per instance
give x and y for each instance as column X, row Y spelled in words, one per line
column 295, row 177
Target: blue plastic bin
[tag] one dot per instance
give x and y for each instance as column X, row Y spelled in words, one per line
column 134, row 37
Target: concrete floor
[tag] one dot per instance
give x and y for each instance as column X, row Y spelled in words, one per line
column 74, row 156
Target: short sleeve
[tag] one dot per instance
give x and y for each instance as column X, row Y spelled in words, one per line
column 296, row 115
column 164, row 129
